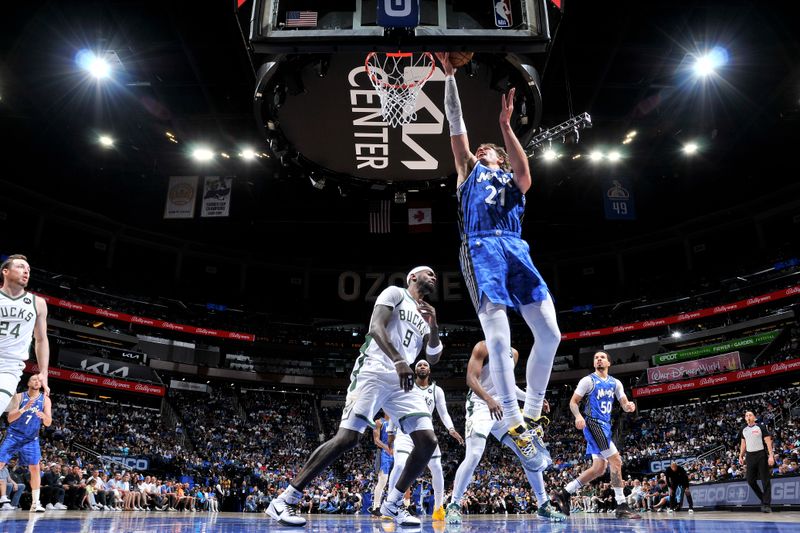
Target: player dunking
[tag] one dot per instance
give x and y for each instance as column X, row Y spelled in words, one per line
column 403, row 326
column 484, row 415
column 27, row 412
column 22, row 317
column 496, row 261
column 434, row 399
column 600, row 389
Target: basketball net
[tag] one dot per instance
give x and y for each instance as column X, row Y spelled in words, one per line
column 398, row 78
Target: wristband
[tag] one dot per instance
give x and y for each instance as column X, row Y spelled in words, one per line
column 401, row 361
column 435, row 350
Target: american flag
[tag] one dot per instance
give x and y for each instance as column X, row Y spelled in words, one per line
column 301, row 19
column 380, row 219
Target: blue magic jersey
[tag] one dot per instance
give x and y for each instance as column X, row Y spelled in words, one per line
column 27, row 426
column 488, row 201
column 600, row 394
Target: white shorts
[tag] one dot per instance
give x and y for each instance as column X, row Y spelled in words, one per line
column 373, row 387
column 10, row 374
column 480, row 422
column 404, row 444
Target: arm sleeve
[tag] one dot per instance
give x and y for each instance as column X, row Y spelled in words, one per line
column 441, row 408
column 619, row 392
column 390, row 297
column 452, row 107
column 584, row 387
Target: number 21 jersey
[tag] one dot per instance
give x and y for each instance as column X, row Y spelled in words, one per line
column 489, row 200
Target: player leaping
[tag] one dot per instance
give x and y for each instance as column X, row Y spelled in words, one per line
column 496, row 261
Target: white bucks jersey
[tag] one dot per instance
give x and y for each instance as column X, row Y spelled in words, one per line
column 487, row 384
column 17, row 318
column 406, row 328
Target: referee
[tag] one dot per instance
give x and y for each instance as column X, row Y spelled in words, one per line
column 752, row 453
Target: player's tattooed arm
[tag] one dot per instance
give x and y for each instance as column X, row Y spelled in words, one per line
column 15, row 409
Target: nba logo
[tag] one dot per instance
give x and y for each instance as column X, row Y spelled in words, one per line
column 502, row 14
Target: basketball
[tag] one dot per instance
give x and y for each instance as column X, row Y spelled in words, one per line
column 459, row 59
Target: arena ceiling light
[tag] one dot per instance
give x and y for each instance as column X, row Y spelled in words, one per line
column 106, row 141
column 202, row 154
column 707, row 64
column 614, row 156
column 550, row 155
column 95, row 64
column 690, row 148
column 595, row 156
column 247, row 154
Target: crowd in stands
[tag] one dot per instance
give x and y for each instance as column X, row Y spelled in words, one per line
column 243, row 448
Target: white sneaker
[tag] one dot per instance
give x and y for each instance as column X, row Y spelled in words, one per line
column 49, row 506
column 106, row 508
column 399, row 513
column 7, row 507
column 60, row 507
column 670, row 511
column 285, row 513
column 5, row 499
column 691, row 511
column 37, row 508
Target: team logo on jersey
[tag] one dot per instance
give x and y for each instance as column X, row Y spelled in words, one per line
column 26, row 300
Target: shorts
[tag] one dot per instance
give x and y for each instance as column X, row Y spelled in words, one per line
column 501, row 268
column 373, row 387
column 598, row 439
column 479, row 422
column 404, row 444
column 10, row 374
column 387, row 462
column 28, row 450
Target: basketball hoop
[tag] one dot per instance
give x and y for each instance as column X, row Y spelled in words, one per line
column 398, row 78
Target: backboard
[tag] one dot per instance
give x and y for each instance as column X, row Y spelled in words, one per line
column 319, row 112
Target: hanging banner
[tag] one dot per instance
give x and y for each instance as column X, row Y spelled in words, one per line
column 721, row 379
column 420, row 218
column 713, row 349
column 144, row 321
column 216, row 196
column 618, row 201
column 181, row 197
column 690, row 369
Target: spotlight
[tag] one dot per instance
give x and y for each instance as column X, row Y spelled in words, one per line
column 631, row 134
column 550, row 155
column 614, row 156
column 596, row 156
column 690, row 148
column 99, row 68
column 247, row 154
column 676, row 334
column 707, row 64
column 106, row 141
column 202, row 154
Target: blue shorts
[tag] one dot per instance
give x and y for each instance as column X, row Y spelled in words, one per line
column 598, row 438
column 501, row 268
column 29, row 451
column 387, row 461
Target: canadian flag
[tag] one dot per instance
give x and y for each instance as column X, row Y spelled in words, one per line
column 420, row 219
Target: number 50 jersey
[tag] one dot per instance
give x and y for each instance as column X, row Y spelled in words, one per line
column 599, row 394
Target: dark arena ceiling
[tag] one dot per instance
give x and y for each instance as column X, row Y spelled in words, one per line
column 184, row 68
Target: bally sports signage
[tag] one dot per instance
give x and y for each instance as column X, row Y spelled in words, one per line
column 343, row 130
column 719, row 379
column 152, row 322
column 98, row 380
